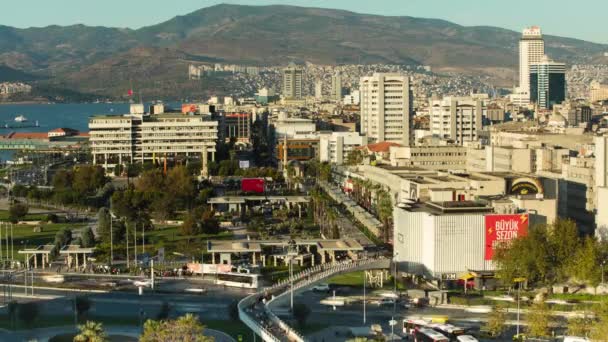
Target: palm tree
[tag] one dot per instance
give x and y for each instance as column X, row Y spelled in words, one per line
column 91, row 332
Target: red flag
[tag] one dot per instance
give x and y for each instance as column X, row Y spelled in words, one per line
column 130, row 92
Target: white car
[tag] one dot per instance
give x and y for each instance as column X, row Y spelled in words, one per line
column 466, row 338
column 385, row 301
column 321, row 288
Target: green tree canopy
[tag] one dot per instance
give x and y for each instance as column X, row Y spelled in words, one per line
column 17, row 211
column 539, row 319
column 87, row 238
column 186, row 328
column 91, row 332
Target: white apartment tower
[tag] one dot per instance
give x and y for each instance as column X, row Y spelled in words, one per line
column 386, row 108
column 293, row 78
column 457, row 118
column 531, row 51
column 318, row 89
column 336, row 87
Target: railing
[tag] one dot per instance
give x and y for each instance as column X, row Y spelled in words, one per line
column 281, row 331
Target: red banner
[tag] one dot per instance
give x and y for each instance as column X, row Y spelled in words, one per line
column 503, row 228
column 252, row 185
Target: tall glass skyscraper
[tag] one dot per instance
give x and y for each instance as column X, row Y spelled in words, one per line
column 547, row 83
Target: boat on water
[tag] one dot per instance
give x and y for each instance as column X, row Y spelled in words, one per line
column 20, row 118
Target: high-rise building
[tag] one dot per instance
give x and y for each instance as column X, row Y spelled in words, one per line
column 386, row 108
column 336, row 87
column 531, row 51
column 547, row 83
column 319, row 89
column 456, row 118
column 598, row 91
column 293, row 77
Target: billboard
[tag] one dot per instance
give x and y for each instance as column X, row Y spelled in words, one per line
column 525, row 186
column 252, row 185
column 244, row 164
column 189, row 108
column 503, row 228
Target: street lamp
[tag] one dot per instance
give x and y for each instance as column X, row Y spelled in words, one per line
column 395, row 254
column 603, row 264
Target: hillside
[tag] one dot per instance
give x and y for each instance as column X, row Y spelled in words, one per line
column 269, row 35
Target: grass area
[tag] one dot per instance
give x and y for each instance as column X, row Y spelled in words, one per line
column 29, row 217
column 579, row 297
column 311, row 328
column 355, row 279
column 275, row 274
column 232, row 328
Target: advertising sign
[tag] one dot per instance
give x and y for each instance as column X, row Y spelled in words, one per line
column 503, row 228
column 525, row 186
column 252, row 185
column 189, row 108
column 244, row 164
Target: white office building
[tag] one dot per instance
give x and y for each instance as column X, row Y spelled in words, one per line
column 336, row 87
column 319, row 89
column 293, row 78
column 601, row 187
column 456, row 118
column 132, row 138
column 531, row 51
column 334, row 147
column 386, row 108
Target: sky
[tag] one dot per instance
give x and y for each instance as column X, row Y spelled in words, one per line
column 583, row 19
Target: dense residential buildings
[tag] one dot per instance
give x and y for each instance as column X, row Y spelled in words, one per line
column 386, row 108
column 598, row 92
column 547, row 83
column 138, row 137
column 293, row 82
column 319, row 89
column 7, row 88
column 531, row 51
column 456, row 118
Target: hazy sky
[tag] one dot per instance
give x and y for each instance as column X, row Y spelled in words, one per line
column 584, row 19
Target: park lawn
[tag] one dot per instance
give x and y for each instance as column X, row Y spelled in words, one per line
column 232, row 328
column 355, row 279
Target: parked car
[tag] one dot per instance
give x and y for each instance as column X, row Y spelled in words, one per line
column 386, row 301
column 321, row 288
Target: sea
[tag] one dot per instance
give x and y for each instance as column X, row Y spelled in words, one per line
column 51, row 116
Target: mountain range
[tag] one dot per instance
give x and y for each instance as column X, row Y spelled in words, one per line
column 94, row 58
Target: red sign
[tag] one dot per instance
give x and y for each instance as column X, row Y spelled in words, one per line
column 503, row 228
column 252, row 185
column 189, row 108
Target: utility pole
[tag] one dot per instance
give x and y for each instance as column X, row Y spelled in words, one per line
column 135, row 242
column 111, row 236
column 518, row 299
column 152, row 274
column 127, row 234
column 364, row 301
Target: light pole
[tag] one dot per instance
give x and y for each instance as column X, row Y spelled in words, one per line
column 603, row 264
column 518, row 299
column 395, row 283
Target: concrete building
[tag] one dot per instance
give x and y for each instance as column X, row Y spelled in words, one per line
column 386, row 108
column 598, row 91
column 430, row 157
column 265, row 95
column 319, row 89
column 353, row 98
column 132, row 138
column 456, row 118
column 289, row 127
column 601, row 186
column 293, row 86
column 335, row 147
column 235, row 126
column 547, row 83
column 531, row 51
column 336, row 87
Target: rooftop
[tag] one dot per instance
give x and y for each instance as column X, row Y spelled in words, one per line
column 449, row 207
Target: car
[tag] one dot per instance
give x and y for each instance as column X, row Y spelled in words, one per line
column 386, row 301
column 321, row 288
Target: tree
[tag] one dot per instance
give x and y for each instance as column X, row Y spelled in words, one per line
column 83, row 305
column 87, row 238
column 181, row 184
column 17, row 211
column 384, row 208
column 103, row 224
column 301, row 313
column 209, row 223
column 151, row 181
column 63, row 237
column 354, row 157
column 186, row 328
column 88, row 178
column 91, row 332
column 28, row 312
column 539, row 317
column 584, row 263
column 496, row 321
column 599, row 329
column 579, row 326
column 189, row 227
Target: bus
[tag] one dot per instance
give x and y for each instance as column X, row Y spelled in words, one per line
column 428, row 335
column 243, row 280
column 448, row 330
column 412, row 324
